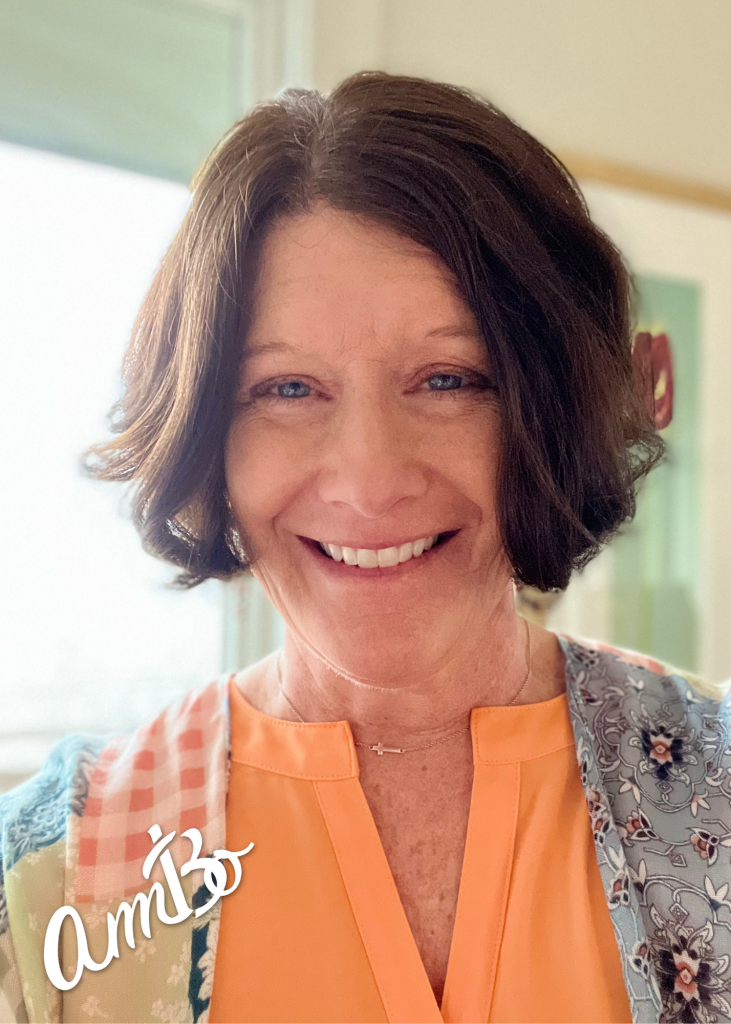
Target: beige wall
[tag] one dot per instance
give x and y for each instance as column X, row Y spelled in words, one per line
column 644, row 82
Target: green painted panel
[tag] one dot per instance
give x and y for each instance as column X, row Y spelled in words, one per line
column 147, row 85
column 656, row 599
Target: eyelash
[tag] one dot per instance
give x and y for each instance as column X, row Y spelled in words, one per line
column 476, row 382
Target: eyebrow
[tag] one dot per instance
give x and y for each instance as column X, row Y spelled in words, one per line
column 268, row 346
column 446, row 331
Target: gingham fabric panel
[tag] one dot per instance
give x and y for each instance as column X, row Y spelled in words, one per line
column 172, row 773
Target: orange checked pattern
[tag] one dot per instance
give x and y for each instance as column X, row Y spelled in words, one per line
column 171, row 773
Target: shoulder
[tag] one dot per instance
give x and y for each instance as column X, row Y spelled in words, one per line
column 86, row 777
column 591, row 662
column 172, row 772
column 76, row 833
column 34, row 814
column 619, row 696
column 621, row 699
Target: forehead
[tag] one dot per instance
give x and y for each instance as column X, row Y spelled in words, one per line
column 330, row 270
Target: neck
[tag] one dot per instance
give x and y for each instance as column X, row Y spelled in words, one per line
column 426, row 704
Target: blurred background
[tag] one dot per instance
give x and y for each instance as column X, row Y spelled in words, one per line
column 106, row 109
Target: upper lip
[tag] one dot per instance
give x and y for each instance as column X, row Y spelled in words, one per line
column 378, row 545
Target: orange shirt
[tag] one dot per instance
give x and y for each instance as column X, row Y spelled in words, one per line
column 316, row 931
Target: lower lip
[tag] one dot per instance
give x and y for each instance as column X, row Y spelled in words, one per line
column 343, row 572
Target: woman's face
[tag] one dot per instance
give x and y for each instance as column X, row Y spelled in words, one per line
column 366, row 419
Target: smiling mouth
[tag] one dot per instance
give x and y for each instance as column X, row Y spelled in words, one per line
column 347, row 564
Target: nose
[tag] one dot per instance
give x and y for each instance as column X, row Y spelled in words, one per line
column 373, row 457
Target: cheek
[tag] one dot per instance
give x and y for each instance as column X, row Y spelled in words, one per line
column 490, row 456
column 261, row 472
column 471, row 459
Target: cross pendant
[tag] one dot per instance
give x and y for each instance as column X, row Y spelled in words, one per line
column 380, row 749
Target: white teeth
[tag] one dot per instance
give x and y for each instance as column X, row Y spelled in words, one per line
column 406, row 551
column 387, row 557
column 366, row 558
column 350, row 556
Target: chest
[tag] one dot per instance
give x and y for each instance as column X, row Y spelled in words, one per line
column 423, row 832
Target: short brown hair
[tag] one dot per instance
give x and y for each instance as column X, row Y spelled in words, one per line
column 447, row 169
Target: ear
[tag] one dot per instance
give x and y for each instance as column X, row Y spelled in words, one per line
column 653, row 369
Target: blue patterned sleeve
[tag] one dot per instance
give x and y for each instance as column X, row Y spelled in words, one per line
column 34, row 814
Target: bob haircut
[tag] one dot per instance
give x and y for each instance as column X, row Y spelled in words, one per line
column 447, row 169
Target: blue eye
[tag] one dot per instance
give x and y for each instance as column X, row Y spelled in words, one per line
column 289, row 386
column 449, row 377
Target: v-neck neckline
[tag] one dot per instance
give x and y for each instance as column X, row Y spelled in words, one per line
column 326, row 750
column 324, row 753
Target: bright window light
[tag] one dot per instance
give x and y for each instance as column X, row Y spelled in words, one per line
column 92, row 639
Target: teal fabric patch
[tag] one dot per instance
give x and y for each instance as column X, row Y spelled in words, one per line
column 34, row 814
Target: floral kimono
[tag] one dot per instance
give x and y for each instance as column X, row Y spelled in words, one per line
column 652, row 745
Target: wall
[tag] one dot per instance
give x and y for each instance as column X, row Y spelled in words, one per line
column 644, row 83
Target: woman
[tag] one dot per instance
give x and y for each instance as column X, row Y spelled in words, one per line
column 386, row 367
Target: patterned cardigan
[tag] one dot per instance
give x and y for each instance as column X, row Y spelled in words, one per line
column 653, row 748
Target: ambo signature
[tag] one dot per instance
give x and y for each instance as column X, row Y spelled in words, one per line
column 214, row 876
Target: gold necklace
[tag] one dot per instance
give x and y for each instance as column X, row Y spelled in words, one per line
column 380, row 748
